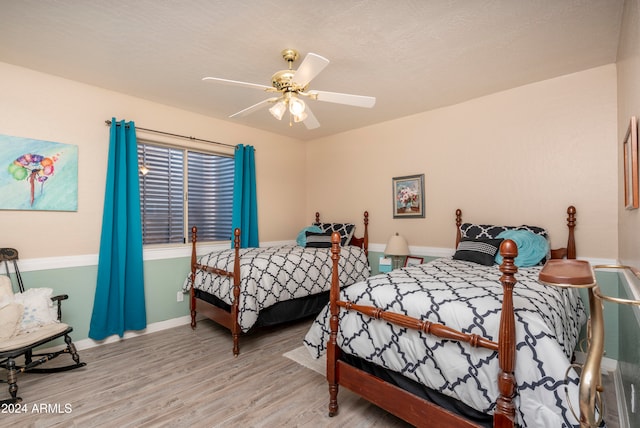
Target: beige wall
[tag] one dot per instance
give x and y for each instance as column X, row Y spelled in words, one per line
column 518, row 156
column 628, row 105
column 45, row 107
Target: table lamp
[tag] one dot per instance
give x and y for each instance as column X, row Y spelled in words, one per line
column 397, row 248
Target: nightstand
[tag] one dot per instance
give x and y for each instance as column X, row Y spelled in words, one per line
column 579, row 274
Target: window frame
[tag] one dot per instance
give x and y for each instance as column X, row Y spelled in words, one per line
column 173, row 249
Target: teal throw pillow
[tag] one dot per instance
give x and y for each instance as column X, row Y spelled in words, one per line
column 301, row 240
column 532, row 248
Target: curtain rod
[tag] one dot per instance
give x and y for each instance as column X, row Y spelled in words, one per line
column 108, row 123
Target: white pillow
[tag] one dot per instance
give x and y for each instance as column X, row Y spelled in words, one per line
column 38, row 308
column 6, row 290
column 10, row 316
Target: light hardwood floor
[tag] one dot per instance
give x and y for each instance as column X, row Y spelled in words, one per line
column 184, row 378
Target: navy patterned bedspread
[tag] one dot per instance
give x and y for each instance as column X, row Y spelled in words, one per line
column 270, row 275
column 467, row 297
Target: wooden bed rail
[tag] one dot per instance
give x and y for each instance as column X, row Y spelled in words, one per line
column 504, row 415
column 428, row 327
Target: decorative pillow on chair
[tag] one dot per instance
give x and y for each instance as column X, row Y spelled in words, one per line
column 10, row 312
column 481, row 251
column 318, row 239
column 38, row 308
column 10, row 316
column 6, row 290
column 344, row 229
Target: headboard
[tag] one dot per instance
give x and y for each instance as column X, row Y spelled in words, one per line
column 490, row 231
column 362, row 242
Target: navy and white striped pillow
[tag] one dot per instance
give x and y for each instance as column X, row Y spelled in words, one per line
column 481, row 251
column 318, row 239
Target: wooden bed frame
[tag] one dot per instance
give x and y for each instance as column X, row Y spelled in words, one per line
column 229, row 318
column 412, row 408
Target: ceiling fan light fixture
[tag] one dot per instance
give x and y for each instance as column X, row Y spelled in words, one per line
column 277, row 110
column 296, row 106
column 290, row 88
column 300, row 117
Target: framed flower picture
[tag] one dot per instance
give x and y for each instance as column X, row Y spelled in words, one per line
column 408, row 196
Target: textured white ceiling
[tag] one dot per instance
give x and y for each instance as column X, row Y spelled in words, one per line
column 412, row 55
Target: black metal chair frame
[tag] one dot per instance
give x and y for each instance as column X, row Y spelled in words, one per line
column 31, row 359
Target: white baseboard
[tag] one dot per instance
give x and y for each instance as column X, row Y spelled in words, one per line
column 607, row 365
column 151, row 328
column 623, row 416
column 611, row 366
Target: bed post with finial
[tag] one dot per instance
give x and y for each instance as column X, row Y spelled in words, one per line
column 571, row 224
column 505, row 412
column 366, row 234
column 192, row 292
column 570, row 250
column 317, row 218
column 332, row 346
column 235, row 327
column 458, row 224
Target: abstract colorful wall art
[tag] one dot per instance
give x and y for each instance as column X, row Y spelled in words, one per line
column 38, row 175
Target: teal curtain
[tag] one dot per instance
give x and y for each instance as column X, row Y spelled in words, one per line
column 245, row 206
column 119, row 300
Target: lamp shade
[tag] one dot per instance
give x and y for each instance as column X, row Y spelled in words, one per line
column 296, row 105
column 397, row 246
column 300, row 117
column 278, row 109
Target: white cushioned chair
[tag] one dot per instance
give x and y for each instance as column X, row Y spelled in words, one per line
column 29, row 319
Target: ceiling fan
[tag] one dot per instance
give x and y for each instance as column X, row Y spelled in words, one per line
column 291, row 86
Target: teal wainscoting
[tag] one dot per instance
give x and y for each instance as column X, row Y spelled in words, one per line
column 629, row 353
column 374, row 261
column 610, row 285
column 163, row 279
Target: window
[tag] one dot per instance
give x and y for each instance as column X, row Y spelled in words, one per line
column 184, row 188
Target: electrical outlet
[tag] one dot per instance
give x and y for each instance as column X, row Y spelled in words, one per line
column 180, row 297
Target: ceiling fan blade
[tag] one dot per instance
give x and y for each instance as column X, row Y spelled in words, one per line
column 238, row 83
column 349, row 99
column 254, row 107
column 310, row 121
column 310, row 67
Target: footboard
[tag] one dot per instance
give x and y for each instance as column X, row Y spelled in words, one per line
column 403, row 404
column 228, row 319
